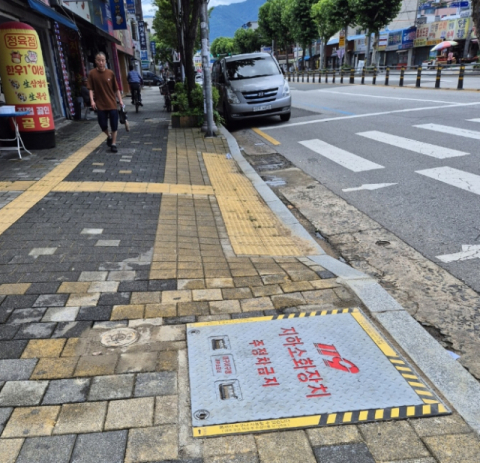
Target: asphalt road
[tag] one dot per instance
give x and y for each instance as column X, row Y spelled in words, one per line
column 427, row 193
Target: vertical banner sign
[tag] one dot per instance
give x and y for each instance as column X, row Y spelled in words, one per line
column 153, row 49
column 144, row 59
column 63, row 64
column 131, row 6
column 117, row 9
column 341, row 39
column 23, row 76
column 142, row 35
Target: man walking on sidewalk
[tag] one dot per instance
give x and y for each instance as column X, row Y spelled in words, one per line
column 103, row 95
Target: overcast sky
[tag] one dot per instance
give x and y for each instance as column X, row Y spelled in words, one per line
column 149, row 10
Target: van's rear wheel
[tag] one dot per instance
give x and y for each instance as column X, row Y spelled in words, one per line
column 285, row 117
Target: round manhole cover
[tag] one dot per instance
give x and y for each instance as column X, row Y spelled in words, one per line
column 119, row 337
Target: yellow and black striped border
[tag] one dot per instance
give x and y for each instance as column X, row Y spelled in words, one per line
column 431, row 404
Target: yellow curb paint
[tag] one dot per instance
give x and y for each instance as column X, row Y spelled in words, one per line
column 331, row 418
column 20, row 185
column 267, row 137
column 379, row 414
column 363, row 415
column 347, row 417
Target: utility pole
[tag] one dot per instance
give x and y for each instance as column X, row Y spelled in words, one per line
column 207, row 77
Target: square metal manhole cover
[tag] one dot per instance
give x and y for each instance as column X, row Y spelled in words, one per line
column 308, row 369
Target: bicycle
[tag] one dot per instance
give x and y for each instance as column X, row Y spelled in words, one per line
column 135, row 88
column 167, row 97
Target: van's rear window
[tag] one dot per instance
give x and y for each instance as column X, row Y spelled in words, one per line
column 251, row 68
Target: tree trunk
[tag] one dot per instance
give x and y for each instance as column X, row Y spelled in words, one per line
column 374, row 52
column 367, row 52
column 476, row 16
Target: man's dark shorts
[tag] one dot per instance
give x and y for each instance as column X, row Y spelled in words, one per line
column 103, row 117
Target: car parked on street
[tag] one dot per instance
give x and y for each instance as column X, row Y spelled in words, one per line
column 251, row 85
column 149, row 78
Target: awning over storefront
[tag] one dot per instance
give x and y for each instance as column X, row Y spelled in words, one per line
column 51, row 13
column 97, row 30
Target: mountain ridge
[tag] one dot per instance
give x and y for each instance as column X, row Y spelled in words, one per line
column 226, row 19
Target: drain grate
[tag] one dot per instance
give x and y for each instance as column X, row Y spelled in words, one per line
column 308, row 369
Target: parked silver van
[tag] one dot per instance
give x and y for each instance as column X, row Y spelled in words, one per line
column 251, row 85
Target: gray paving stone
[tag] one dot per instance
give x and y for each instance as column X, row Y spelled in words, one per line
column 136, row 362
column 107, row 243
column 60, row 314
column 180, row 320
column 67, row 391
column 27, row 315
column 22, row 393
column 93, row 276
column 42, row 251
column 51, row 300
column 106, row 447
column 55, row 449
column 16, row 370
column 5, row 413
column 71, row 329
column 111, row 387
column 348, row 453
column 43, row 288
column 35, row 331
column 12, row 349
column 95, row 313
column 8, row 332
column 153, row 384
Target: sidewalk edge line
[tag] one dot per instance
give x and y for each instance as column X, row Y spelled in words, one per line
column 272, row 200
column 453, row 381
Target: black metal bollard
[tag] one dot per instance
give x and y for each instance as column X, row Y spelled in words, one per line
column 352, row 75
column 419, row 77
column 308, row 76
column 333, row 77
column 341, row 76
column 289, row 76
column 363, row 76
column 326, row 76
column 313, row 77
column 402, row 76
column 303, row 76
column 387, row 75
column 460, row 77
column 438, row 77
column 374, row 80
column 298, row 76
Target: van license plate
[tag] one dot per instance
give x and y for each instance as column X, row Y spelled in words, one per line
column 262, row 108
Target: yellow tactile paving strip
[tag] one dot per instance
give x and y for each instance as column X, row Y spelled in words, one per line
column 133, row 187
column 252, row 227
column 20, row 185
column 38, row 190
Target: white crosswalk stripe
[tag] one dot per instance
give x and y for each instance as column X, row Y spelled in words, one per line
column 450, row 130
column 454, row 177
column 427, row 149
column 344, row 158
column 473, row 120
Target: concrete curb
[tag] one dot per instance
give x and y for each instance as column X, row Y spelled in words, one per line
column 460, row 388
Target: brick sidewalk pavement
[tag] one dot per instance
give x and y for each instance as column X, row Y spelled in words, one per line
column 152, row 238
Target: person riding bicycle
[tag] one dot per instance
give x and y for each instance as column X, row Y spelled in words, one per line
column 135, row 81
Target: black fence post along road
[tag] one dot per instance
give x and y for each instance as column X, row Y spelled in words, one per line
column 352, row 75
column 326, row 76
column 341, row 76
column 313, row 77
column 419, row 77
column 374, row 80
column 387, row 75
column 460, row 77
column 308, row 76
column 333, row 77
column 438, row 76
column 402, row 76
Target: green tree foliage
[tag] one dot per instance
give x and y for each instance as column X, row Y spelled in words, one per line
column 373, row 15
column 222, row 46
column 184, row 16
column 322, row 15
column 265, row 25
column 247, row 40
column 298, row 16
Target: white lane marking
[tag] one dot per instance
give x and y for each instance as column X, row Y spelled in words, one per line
column 344, row 158
column 386, row 97
column 369, row 186
column 450, row 130
column 469, row 251
column 473, row 120
column 458, row 178
column 434, row 151
column 357, row 116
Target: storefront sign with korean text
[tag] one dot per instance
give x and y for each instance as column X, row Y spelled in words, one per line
column 142, row 35
column 23, row 76
column 117, row 9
